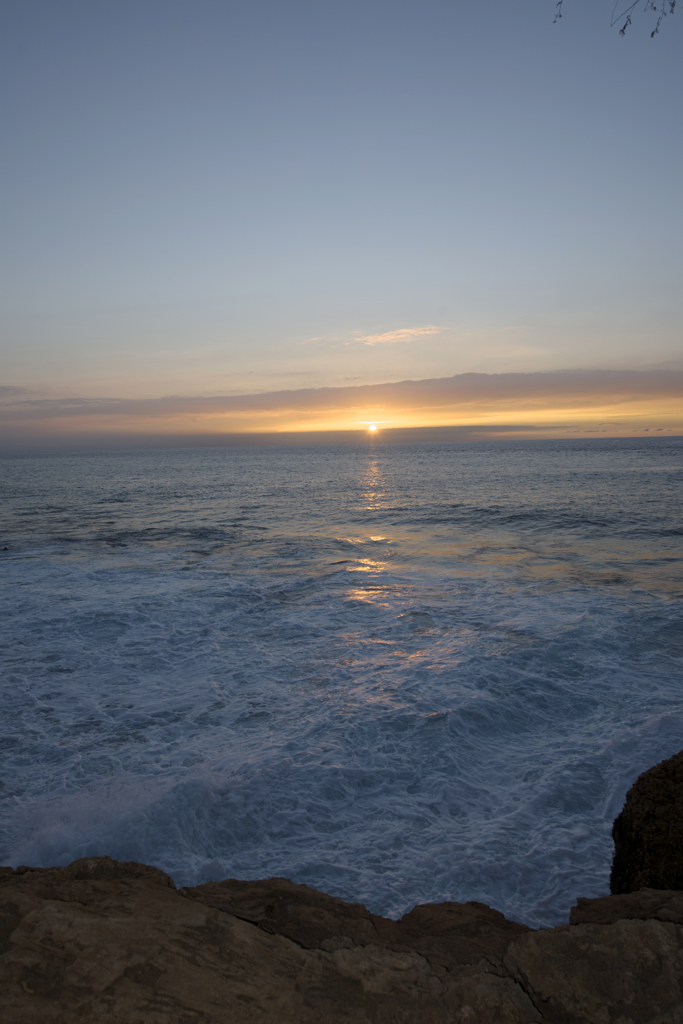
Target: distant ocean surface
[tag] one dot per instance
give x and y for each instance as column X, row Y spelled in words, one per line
column 399, row 674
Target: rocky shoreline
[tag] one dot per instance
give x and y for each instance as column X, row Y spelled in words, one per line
column 103, row 941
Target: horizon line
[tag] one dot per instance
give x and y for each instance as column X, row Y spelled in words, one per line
column 446, row 434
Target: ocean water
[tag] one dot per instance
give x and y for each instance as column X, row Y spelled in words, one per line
column 399, row 674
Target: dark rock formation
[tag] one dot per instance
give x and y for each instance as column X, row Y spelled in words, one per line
column 101, row 942
column 648, row 834
column 645, row 905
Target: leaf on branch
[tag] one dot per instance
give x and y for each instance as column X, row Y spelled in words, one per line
column 659, row 7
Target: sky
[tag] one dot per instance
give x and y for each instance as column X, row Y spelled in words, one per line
column 225, row 220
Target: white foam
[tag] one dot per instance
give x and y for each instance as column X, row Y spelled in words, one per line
column 397, row 715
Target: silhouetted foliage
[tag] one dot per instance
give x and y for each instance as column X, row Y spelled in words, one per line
column 620, row 11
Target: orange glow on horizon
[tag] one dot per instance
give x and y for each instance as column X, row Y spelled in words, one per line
column 612, row 403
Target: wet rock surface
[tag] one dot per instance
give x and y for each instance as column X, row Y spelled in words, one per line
column 648, row 834
column 112, row 942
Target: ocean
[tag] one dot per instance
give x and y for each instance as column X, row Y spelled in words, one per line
column 398, row 673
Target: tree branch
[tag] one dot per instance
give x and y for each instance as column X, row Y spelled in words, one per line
column 659, row 7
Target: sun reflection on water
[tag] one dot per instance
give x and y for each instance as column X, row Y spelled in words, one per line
column 374, row 487
column 367, row 565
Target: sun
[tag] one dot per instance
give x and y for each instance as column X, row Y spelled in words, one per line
column 372, row 427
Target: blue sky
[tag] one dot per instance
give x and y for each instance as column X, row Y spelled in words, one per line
column 214, row 198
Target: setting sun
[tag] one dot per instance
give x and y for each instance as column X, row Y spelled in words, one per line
column 372, row 427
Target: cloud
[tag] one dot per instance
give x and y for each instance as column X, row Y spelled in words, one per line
column 405, row 334
column 7, row 391
column 633, row 400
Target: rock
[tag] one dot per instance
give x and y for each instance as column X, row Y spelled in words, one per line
column 648, row 834
column 101, row 942
column 645, row 905
column 629, row 972
column 457, row 932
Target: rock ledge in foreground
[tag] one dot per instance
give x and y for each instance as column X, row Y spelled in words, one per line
column 102, row 941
